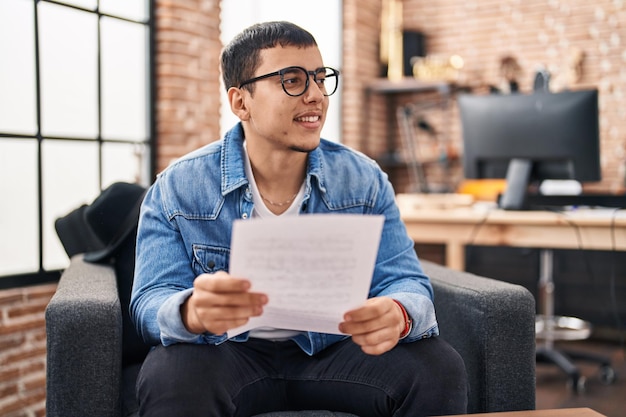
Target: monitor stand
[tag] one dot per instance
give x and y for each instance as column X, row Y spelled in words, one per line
column 517, row 178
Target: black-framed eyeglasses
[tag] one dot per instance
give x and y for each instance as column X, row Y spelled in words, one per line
column 295, row 80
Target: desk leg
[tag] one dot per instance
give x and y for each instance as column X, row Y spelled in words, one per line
column 455, row 256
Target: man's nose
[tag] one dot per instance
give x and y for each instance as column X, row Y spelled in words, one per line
column 314, row 92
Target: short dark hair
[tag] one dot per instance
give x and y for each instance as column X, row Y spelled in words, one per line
column 240, row 58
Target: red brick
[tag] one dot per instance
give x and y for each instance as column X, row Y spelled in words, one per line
column 8, row 374
column 40, row 411
column 15, row 404
column 15, row 327
column 7, row 390
column 35, row 383
column 24, row 310
column 11, row 340
column 40, row 293
column 11, row 296
column 28, row 352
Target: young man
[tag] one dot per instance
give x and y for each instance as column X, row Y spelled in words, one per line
column 273, row 163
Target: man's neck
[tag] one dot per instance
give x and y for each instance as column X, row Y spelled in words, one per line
column 278, row 174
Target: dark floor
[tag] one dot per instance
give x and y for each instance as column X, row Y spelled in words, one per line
column 610, row 400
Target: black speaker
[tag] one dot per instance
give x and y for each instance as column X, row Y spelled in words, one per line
column 413, row 45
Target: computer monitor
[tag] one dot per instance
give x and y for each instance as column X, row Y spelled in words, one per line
column 527, row 138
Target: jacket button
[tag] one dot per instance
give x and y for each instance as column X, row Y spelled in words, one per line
column 211, row 264
column 244, row 216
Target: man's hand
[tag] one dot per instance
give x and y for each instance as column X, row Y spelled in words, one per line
column 220, row 302
column 376, row 326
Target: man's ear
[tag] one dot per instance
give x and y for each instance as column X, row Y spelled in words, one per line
column 237, row 99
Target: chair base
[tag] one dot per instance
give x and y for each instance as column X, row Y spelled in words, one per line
column 569, row 328
column 564, row 360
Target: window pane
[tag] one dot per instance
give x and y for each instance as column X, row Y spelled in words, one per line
column 17, row 72
column 68, row 48
column 70, row 178
column 125, row 162
column 71, row 170
column 87, row 4
column 124, row 80
column 19, row 224
column 134, row 9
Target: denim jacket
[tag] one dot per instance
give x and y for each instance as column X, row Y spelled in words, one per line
column 185, row 230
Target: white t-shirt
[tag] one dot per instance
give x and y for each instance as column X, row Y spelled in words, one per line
column 261, row 210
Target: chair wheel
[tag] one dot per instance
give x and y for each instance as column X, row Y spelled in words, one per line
column 577, row 384
column 607, row 375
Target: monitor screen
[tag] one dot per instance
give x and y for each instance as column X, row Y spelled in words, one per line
column 528, row 138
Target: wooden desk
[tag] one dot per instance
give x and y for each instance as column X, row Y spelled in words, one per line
column 455, row 227
column 563, row 412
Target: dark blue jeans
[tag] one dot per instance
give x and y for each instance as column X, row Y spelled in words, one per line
column 423, row 378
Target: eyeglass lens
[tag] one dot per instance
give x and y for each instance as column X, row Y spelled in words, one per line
column 295, row 80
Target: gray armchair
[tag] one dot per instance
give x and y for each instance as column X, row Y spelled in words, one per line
column 490, row 323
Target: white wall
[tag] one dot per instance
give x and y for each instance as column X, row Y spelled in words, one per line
column 323, row 18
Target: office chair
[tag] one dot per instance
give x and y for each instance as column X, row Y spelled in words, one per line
column 550, row 328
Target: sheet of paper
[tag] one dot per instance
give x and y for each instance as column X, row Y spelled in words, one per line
column 313, row 268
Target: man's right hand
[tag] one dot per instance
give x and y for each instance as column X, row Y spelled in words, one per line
column 219, row 303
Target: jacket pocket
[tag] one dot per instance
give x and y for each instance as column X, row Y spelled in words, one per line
column 210, row 259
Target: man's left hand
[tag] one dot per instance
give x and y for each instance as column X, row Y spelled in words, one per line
column 376, row 326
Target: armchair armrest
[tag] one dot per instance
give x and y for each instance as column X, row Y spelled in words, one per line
column 84, row 337
column 491, row 324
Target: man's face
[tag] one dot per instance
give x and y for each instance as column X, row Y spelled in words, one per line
column 280, row 121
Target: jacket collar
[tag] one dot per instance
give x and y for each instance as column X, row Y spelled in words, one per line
column 233, row 168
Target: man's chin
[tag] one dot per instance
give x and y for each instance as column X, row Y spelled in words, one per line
column 303, row 149
column 306, row 146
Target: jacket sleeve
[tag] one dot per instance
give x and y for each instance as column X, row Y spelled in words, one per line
column 163, row 279
column 398, row 273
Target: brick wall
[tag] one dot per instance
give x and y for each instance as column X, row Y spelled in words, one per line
column 361, row 34
column 23, row 350
column 187, row 73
